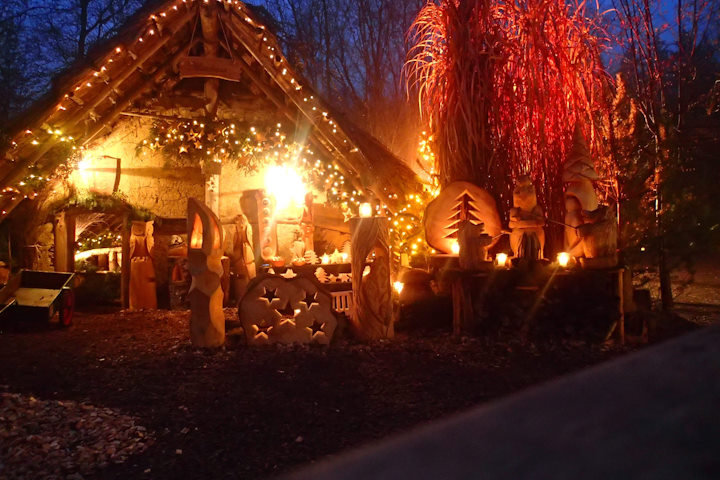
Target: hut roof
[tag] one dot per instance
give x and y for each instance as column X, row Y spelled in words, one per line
column 139, row 70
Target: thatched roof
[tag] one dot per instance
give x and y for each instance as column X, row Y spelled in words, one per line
column 140, row 71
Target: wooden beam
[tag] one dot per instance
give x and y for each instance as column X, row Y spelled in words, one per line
column 125, row 263
column 102, row 123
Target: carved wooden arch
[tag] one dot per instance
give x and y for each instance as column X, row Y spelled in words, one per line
column 281, row 310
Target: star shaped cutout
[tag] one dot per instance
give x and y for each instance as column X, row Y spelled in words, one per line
column 262, row 328
column 270, row 294
column 287, row 311
column 310, row 299
column 316, row 327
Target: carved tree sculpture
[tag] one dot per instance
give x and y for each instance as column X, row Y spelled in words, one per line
column 370, row 266
column 142, row 272
column 599, row 238
column 207, row 321
column 282, row 310
column 526, row 220
column 579, row 174
column 242, row 258
column 457, row 203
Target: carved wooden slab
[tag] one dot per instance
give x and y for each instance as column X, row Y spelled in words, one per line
column 210, row 67
column 281, row 310
column 458, row 202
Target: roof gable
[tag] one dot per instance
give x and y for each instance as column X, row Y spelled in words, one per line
column 219, row 42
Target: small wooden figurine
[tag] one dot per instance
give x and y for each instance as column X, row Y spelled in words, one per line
column 143, row 293
column 526, row 221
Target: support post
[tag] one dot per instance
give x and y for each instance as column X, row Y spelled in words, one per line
column 64, row 242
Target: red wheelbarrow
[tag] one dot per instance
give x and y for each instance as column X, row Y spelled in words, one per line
column 32, row 294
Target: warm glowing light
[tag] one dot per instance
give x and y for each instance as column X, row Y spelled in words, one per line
column 398, row 286
column 286, row 185
column 345, row 257
column 365, row 210
column 455, row 247
column 563, row 258
column 83, row 165
column 501, row 259
column 325, row 259
column 196, row 240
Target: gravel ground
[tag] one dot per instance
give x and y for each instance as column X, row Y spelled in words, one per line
column 236, row 412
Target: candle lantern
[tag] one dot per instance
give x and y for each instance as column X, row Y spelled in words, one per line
column 365, row 210
column 372, row 290
column 501, row 260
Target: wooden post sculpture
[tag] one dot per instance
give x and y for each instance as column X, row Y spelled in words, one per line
column 242, row 259
column 526, row 221
column 207, row 320
column 143, row 294
column 370, row 266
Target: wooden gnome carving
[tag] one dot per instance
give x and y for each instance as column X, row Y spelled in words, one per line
column 282, row 310
column 599, row 238
column 242, row 259
column 473, row 242
column 207, row 320
column 578, row 174
column 370, row 266
column 526, row 221
column 457, row 203
column 142, row 272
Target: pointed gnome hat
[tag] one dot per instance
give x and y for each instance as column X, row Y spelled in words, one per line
column 579, row 164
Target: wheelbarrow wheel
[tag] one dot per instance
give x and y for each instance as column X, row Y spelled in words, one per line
column 67, row 308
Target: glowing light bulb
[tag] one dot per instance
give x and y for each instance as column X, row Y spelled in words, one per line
column 398, row 286
column 365, row 210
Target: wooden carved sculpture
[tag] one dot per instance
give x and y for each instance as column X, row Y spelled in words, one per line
column 599, row 238
column 266, row 222
column 282, row 310
column 579, row 174
column 473, row 242
column 207, row 320
column 370, row 267
column 142, row 272
column 591, row 233
column 526, row 221
column 242, row 258
column 457, row 203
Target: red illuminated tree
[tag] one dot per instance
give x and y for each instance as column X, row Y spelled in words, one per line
column 502, row 85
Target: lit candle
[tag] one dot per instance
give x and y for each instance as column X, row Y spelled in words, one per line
column 455, row 247
column 365, row 210
column 563, row 259
column 398, row 287
column 325, row 259
column 501, row 259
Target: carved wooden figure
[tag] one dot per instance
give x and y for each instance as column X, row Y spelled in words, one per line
column 599, row 238
column 473, row 242
column 207, row 320
column 372, row 291
column 526, row 220
column 143, row 294
column 286, row 310
column 242, row 258
column 457, row 203
column 578, row 174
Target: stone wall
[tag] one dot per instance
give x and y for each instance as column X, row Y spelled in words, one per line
column 145, row 180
